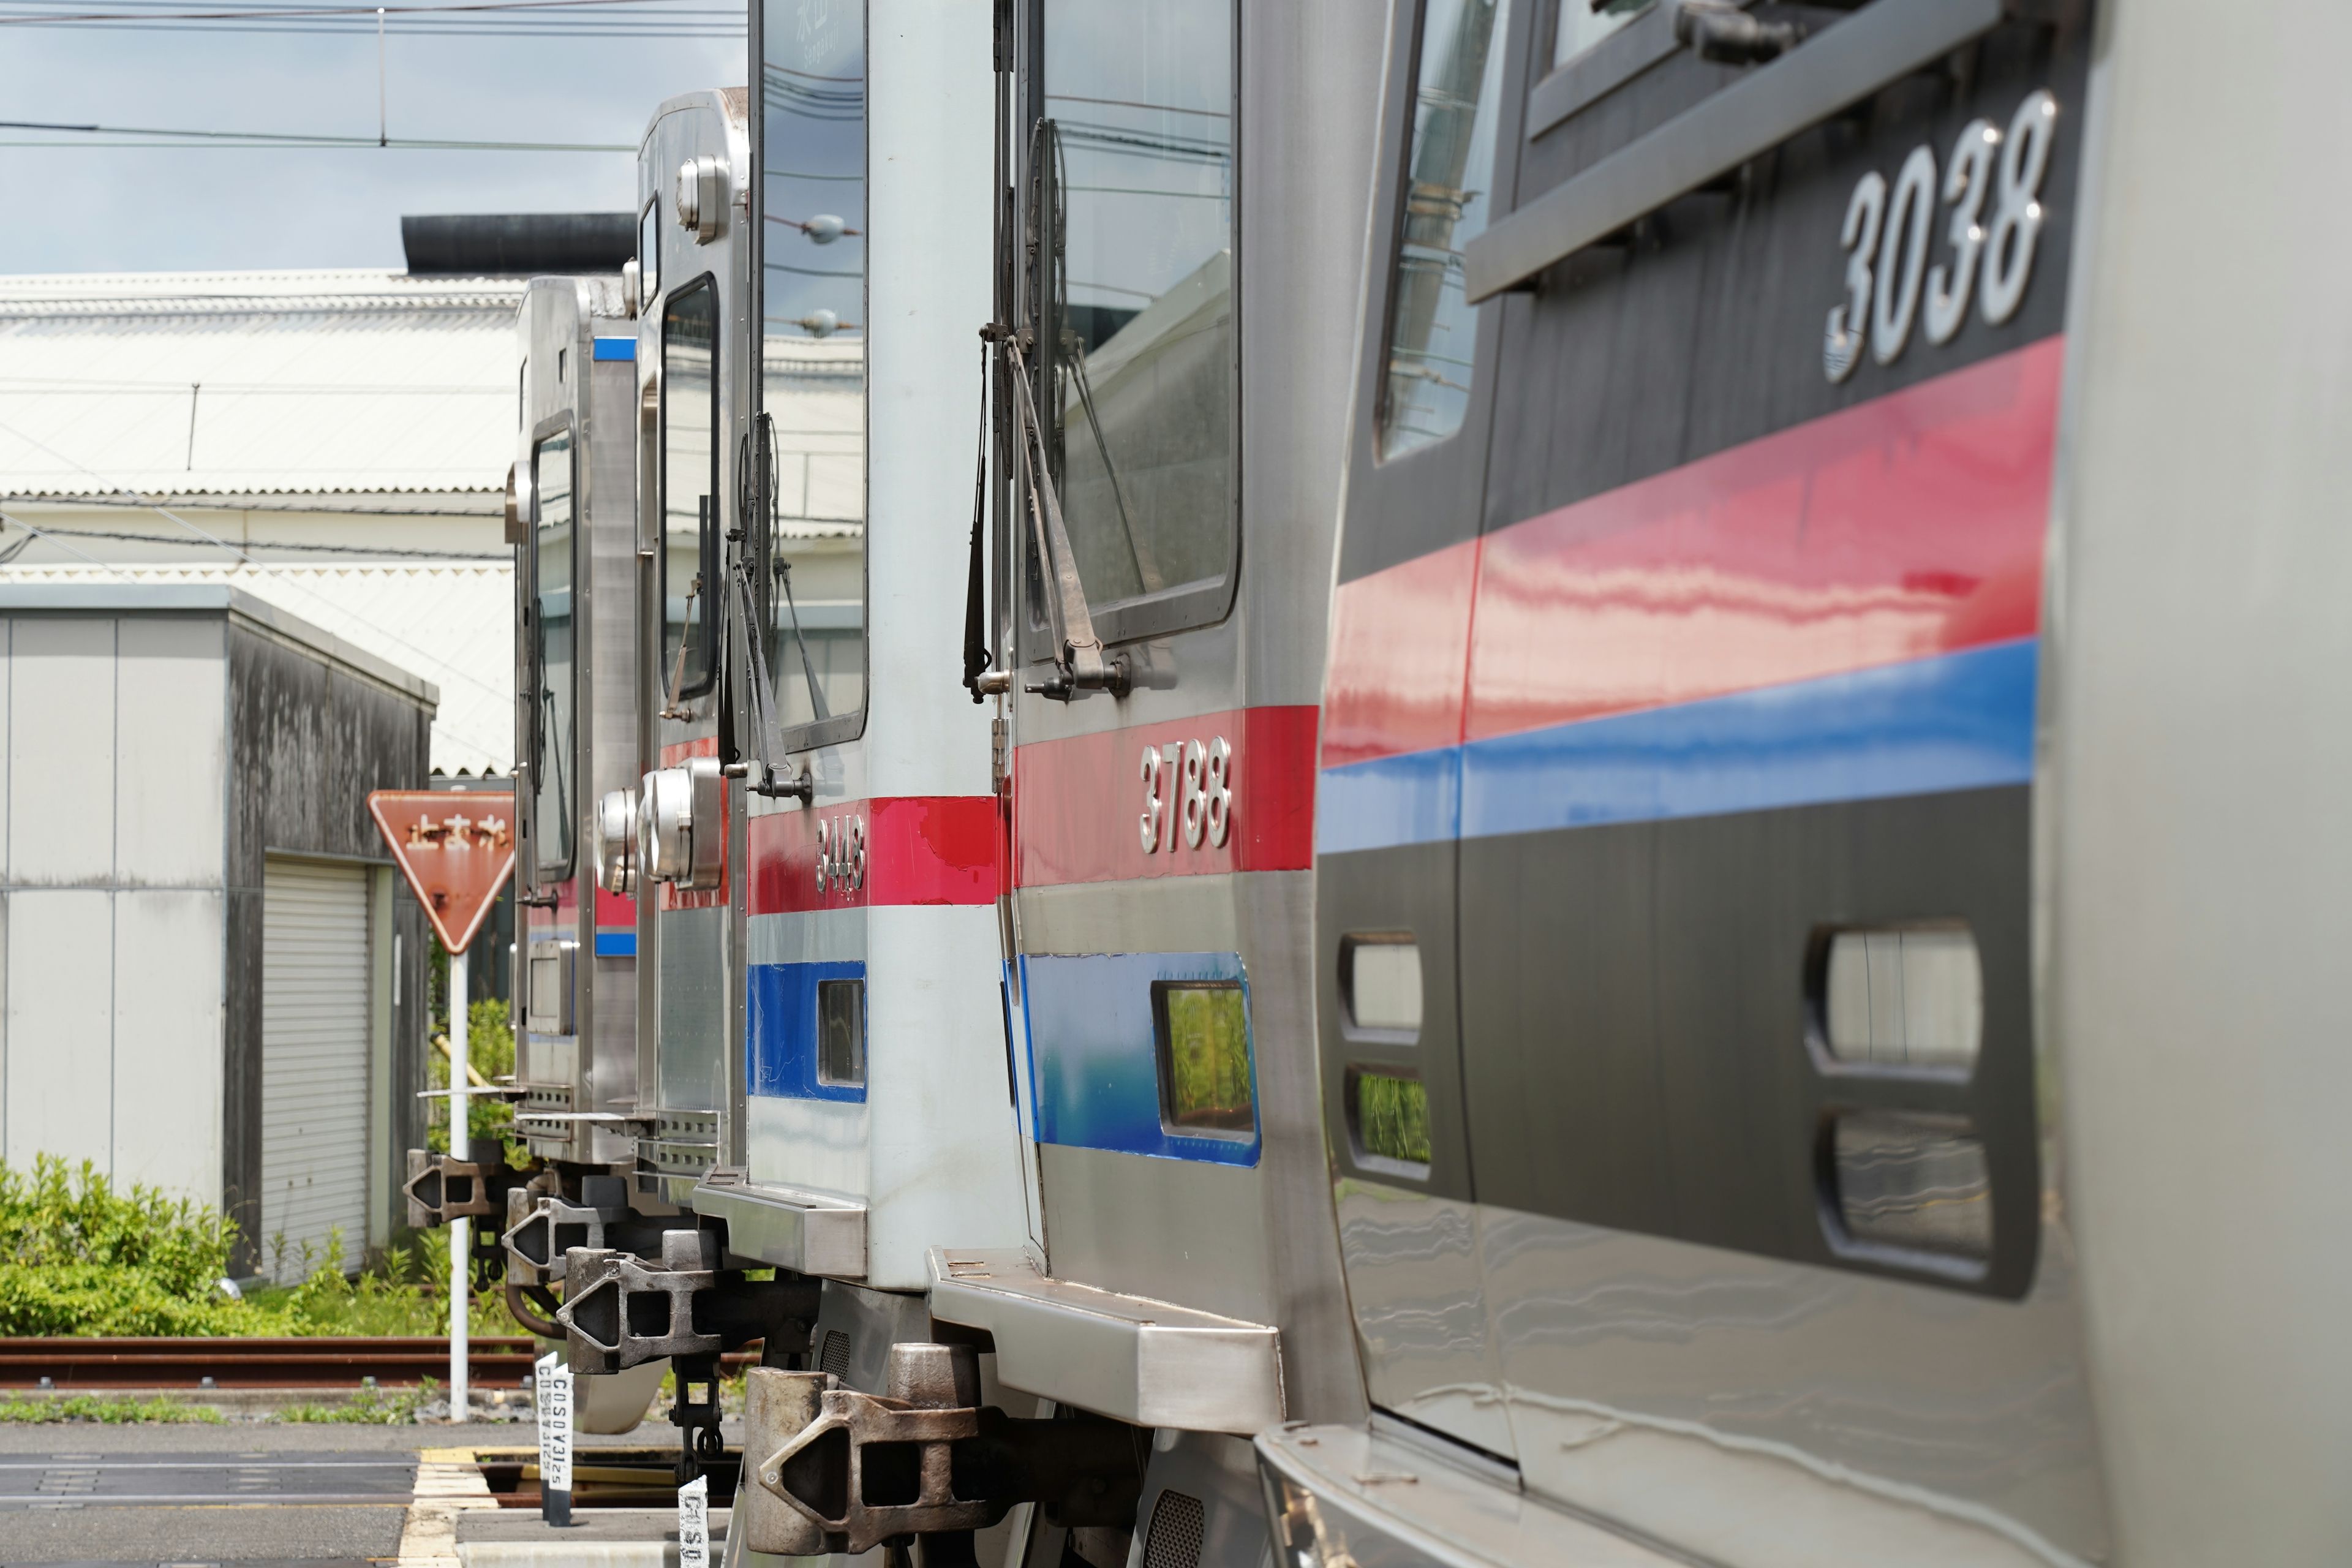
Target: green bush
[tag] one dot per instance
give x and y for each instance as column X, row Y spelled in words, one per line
column 79, row 1258
column 490, row 1050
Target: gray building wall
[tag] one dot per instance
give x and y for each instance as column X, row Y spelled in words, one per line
column 161, row 742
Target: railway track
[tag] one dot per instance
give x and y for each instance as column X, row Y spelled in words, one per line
column 88, row 1364
column 79, row 1364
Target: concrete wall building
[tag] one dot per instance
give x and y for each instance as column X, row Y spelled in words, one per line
column 208, row 962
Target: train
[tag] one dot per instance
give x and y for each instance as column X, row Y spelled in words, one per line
column 1459, row 781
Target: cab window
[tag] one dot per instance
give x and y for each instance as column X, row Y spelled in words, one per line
column 812, row 268
column 1133, row 166
column 689, row 490
column 551, row 642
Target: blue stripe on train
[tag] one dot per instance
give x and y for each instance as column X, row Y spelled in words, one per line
column 780, row 1027
column 1955, row 721
column 1093, row 1052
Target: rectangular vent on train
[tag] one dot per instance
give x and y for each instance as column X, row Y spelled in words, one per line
column 1909, row 1183
column 1379, row 986
column 832, row 1356
column 1179, row 1527
column 841, row 1032
column 1388, row 1121
column 1907, row 997
column 1206, row 1087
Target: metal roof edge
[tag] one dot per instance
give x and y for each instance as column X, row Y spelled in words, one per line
column 220, row 598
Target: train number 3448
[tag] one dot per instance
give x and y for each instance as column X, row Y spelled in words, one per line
column 1886, row 239
column 1188, row 788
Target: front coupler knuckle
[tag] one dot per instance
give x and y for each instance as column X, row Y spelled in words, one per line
column 618, row 1312
column 440, row 1189
column 869, row 1468
column 845, row 1471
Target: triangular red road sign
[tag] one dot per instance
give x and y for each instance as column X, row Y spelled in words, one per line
column 456, row 850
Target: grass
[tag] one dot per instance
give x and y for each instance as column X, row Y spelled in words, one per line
column 368, row 1407
column 116, row 1410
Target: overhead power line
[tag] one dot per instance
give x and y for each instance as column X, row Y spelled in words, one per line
column 295, row 139
column 282, row 12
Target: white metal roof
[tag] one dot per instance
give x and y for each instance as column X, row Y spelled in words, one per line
column 254, row 384
column 452, row 625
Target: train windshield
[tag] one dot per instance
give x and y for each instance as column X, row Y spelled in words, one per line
column 1137, row 149
column 689, row 486
column 1433, row 331
column 551, row 765
column 812, row 241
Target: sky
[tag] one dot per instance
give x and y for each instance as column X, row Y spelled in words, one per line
column 75, row 206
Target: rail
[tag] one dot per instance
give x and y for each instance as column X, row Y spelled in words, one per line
column 496, row 1362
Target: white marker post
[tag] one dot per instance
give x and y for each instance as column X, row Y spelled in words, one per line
column 694, row 1523
column 456, row 865
column 460, row 1148
column 552, row 1392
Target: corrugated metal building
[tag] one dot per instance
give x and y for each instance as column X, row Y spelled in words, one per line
column 207, row 958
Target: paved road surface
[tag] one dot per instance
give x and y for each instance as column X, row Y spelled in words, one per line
column 261, row 1496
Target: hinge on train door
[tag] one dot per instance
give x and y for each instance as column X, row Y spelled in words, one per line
column 1000, row 781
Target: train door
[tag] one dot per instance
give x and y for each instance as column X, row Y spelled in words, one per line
column 692, row 172
column 576, row 728
column 1719, row 1135
column 1177, row 248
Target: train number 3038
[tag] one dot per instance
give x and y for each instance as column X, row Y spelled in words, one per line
column 1886, row 239
column 1202, row 804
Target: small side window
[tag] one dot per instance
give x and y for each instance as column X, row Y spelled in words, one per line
column 1913, row 1186
column 841, row 1032
column 1432, row 330
column 1380, row 982
column 1388, row 1121
column 689, row 485
column 1903, row 997
column 1206, row 1085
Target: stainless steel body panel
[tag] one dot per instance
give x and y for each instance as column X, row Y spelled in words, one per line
column 1416, row 1280
column 1306, row 97
column 693, row 953
column 808, row 1232
column 592, row 1070
column 2194, row 845
column 1348, row 1494
column 1149, row 1362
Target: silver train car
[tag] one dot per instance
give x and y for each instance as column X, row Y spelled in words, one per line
column 1599, row 843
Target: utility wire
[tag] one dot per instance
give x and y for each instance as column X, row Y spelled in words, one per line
column 280, row 13
column 286, row 139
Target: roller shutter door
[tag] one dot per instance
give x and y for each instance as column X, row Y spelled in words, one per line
column 314, row 1048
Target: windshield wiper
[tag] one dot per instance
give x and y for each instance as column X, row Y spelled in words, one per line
column 1079, row 663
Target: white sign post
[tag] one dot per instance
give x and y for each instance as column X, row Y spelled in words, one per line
column 694, row 1523
column 461, row 1240
column 551, row 1393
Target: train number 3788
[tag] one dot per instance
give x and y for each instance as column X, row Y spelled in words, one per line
column 1202, row 807
column 1886, row 239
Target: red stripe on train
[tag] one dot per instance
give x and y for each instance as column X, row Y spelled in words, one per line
column 1078, row 804
column 920, row 850
column 1908, row 526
